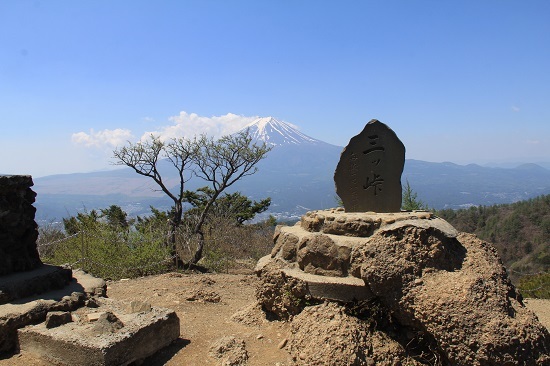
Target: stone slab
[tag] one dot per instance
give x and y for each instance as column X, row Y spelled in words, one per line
column 368, row 175
column 42, row 279
column 84, row 343
column 31, row 310
column 436, row 223
column 345, row 289
column 336, row 221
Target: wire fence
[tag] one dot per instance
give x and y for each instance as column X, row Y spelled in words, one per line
column 113, row 253
column 533, row 284
column 109, row 254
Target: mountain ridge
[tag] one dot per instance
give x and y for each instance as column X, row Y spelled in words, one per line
column 298, row 175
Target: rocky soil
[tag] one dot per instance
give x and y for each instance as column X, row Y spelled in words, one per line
column 220, row 325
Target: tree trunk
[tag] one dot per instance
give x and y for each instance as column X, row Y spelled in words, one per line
column 174, row 224
column 198, row 228
column 198, row 253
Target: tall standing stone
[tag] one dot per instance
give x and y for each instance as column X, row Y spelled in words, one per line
column 368, row 175
column 18, row 230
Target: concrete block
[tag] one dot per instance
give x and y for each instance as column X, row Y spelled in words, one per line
column 33, row 309
column 83, row 343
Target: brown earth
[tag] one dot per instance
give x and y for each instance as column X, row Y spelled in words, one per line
column 212, row 309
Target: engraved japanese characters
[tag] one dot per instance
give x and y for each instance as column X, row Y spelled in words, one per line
column 368, row 175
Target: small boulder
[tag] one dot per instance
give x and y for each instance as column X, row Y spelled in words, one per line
column 136, row 306
column 280, row 295
column 107, row 323
column 230, row 350
column 320, row 255
column 56, row 318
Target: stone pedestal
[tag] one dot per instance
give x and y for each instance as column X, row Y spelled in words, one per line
column 316, row 254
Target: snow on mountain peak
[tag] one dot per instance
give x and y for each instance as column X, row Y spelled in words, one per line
column 275, row 132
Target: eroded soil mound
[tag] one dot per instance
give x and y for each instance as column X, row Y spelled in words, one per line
column 457, row 291
column 230, row 351
column 326, row 335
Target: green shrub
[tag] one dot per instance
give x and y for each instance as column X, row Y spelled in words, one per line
column 537, row 285
column 110, row 246
column 230, row 247
column 112, row 254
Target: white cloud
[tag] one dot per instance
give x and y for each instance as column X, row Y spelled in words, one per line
column 104, row 138
column 515, row 109
column 533, row 142
column 190, row 125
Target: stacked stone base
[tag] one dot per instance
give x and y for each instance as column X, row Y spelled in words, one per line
column 63, row 325
column 42, row 279
column 42, row 306
column 318, row 249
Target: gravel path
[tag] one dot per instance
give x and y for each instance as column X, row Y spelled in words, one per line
column 541, row 307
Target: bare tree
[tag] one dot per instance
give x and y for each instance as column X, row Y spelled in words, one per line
column 221, row 162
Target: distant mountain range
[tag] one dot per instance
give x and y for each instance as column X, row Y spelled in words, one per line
column 298, row 175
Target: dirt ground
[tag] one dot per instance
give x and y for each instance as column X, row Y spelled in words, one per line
column 211, row 306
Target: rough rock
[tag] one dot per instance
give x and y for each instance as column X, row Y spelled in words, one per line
column 326, row 335
column 115, row 338
column 456, row 290
column 57, row 318
column 280, row 295
column 319, row 254
column 230, row 351
column 107, row 323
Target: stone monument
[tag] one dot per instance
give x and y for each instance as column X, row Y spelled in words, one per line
column 18, row 231
column 368, row 175
column 445, row 292
column 21, row 270
column 58, row 314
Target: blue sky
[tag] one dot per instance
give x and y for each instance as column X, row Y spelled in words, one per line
column 460, row 81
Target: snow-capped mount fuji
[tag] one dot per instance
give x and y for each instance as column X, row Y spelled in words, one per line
column 276, row 133
column 297, row 173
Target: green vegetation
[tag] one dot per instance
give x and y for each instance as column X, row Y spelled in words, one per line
column 234, row 206
column 105, row 248
column 536, row 286
column 410, row 201
column 521, row 234
column 108, row 245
